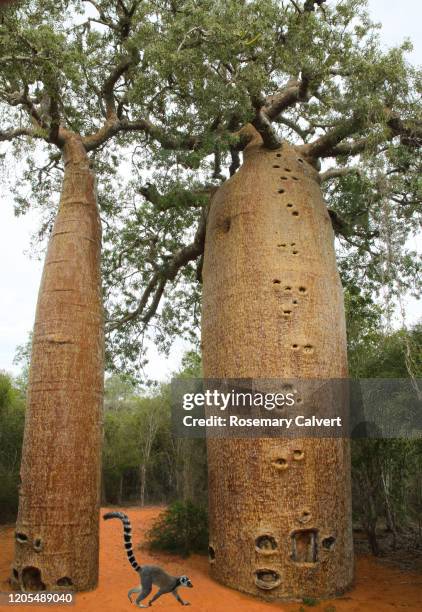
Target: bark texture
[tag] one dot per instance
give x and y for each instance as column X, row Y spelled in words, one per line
column 57, row 525
column 280, row 510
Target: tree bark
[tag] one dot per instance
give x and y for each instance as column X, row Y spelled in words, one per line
column 273, row 309
column 142, row 478
column 57, row 526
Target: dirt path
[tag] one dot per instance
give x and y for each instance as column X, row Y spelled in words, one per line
column 377, row 589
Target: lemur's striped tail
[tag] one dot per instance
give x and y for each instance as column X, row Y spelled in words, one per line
column 127, row 535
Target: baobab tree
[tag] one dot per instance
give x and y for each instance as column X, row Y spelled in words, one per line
column 67, row 73
column 293, row 85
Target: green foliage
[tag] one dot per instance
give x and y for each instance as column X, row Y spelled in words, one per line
column 193, row 72
column 12, row 418
column 182, row 528
column 386, row 472
column 142, row 462
column 310, row 601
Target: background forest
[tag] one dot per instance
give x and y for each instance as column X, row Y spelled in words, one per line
column 143, row 463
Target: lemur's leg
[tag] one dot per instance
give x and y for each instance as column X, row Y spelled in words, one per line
column 179, row 599
column 146, row 584
column 132, row 591
column 157, row 595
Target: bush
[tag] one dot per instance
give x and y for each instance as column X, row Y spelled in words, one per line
column 182, row 529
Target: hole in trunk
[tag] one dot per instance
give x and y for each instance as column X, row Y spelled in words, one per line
column 278, row 154
column 287, row 169
column 287, row 288
column 15, row 573
column 302, row 289
column 289, row 205
column 276, row 281
column 328, row 543
column 305, row 517
column 265, row 543
column 295, row 346
column 276, row 166
column 281, row 191
column 31, row 579
column 308, row 348
column 280, row 463
column 300, row 160
column 304, row 546
column 295, row 252
column 225, row 226
column 22, row 538
column 37, row 544
column 287, row 313
column 284, row 178
column 283, row 244
column 288, row 388
column 267, row 579
column 65, row 581
column 295, row 213
column 298, row 455
column 295, row 302
column 295, row 178
column 211, row 553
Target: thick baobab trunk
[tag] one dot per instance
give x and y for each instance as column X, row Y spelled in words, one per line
column 57, row 526
column 280, row 510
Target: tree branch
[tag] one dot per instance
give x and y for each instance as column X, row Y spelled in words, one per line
column 326, row 144
column 113, row 126
column 11, row 134
column 337, row 173
column 262, row 124
column 197, row 198
column 410, row 132
column 268, row 109
column 235, row 163
column 295, row 127
column 309, row 6
column 167, row 272
column 107, row 89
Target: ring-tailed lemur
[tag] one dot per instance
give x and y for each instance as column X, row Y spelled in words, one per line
column 149, row 574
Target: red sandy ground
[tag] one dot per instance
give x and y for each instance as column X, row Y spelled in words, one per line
column 377, row 588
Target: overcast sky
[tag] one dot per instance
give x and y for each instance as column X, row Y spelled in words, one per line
column 20, row 275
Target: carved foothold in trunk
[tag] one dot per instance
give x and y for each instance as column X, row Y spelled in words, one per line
column 267, row 579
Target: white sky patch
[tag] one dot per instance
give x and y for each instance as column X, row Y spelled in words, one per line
column 20, row 275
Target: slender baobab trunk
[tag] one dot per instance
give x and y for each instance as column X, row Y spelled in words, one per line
column 57, row 526
column 280, row 510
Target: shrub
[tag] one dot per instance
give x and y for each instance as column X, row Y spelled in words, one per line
column 182, row 528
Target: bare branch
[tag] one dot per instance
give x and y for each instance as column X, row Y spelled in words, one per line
column 107, row 90
column 410, row 132
column 337, row 173
column 325, row 144
column 309, row 6
column 187, row 198
column 262, row 124
column 349, row 149
column 104, row 19
column 268, row 109
column 296, row 7
column 21, row 58
column 114, row 126
column 21, row 98
column 234, row 153
column 12, row 134
column 295, row 127
column 294, row 91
